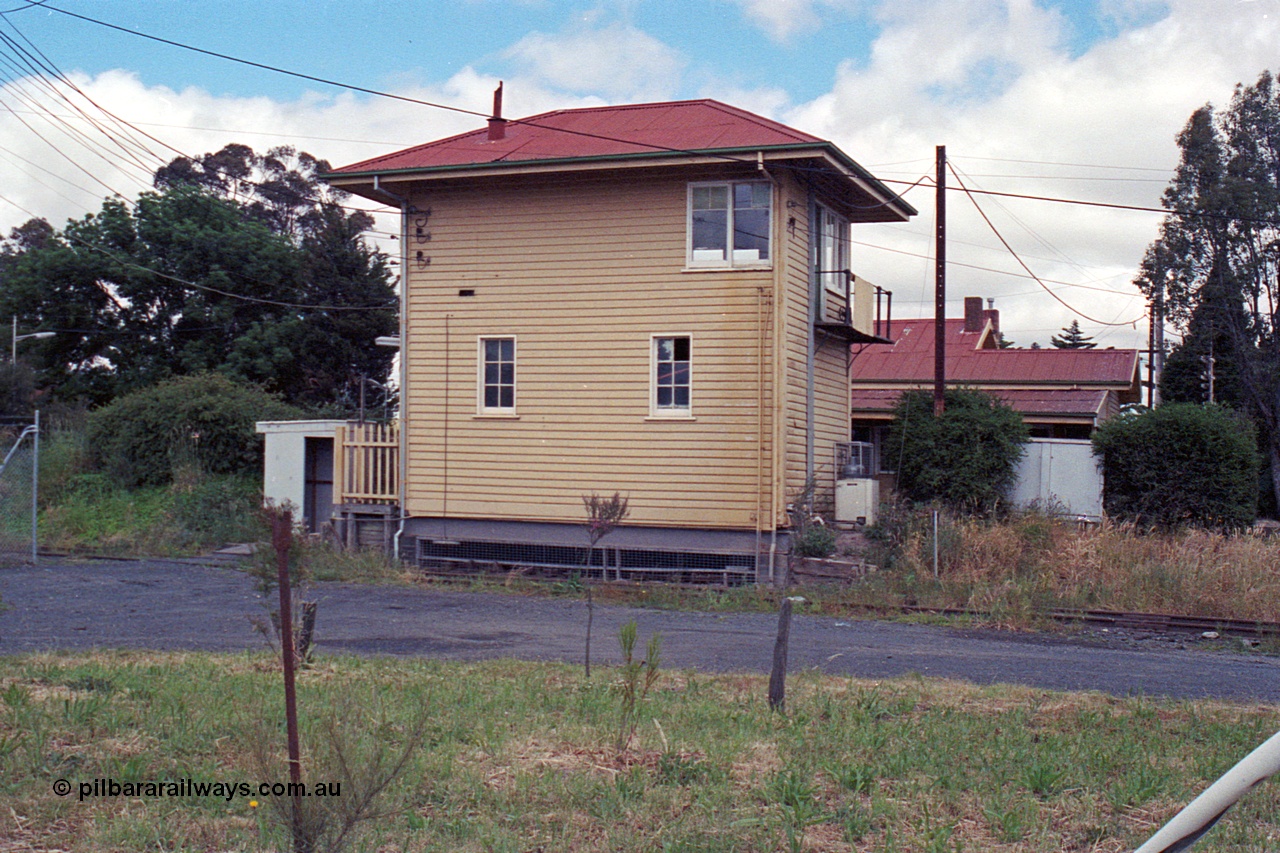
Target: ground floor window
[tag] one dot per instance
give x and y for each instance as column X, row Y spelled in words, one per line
column 497, row 380
column 672, row 375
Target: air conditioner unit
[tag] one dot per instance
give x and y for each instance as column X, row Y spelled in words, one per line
column 857, row 501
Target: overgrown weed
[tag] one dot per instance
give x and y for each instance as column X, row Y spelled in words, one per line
column 194, row 514
column 1029, row 564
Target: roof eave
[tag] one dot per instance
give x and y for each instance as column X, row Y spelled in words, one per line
column 841, row 164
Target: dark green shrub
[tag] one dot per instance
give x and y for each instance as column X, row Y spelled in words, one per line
column 967, row 459
column 1182, row 464
column 895, row 521
column 814, row 540
column 203, row 423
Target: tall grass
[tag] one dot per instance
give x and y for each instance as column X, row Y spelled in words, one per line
column 189, row 516
column 1031, row 563
column 83, row 510
column 1011, row 572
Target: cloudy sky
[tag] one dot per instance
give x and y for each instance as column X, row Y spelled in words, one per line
column 1065, row 99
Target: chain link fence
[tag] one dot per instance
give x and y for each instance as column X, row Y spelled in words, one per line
column 19, row 467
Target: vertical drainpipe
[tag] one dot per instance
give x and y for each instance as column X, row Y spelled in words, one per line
column 403, row 450
column 780, row 394
column 814, row 303
column 402, row 463
column 777, row 235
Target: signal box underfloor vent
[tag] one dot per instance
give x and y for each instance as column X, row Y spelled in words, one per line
column 452, row 557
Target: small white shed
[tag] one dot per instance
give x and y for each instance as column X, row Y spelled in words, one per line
column 298, row 466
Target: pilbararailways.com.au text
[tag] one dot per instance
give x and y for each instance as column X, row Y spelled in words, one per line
column 192, row 788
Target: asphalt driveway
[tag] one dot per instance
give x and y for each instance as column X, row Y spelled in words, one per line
column 188, row 605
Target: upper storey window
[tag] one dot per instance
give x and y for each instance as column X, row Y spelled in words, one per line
column 833, row 249
column 729, row 224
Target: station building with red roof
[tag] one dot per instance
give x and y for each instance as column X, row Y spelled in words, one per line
column 1060, row 393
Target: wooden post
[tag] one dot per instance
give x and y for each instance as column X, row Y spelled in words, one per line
column 778, row 677
column 282, row 540
column 590, row 615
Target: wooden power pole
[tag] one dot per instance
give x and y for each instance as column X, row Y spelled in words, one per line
column 940, row 289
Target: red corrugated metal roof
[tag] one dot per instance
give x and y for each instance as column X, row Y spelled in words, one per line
column 910, row 360
column 1056, row 402
column 598, row 132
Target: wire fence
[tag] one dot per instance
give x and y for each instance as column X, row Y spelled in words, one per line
column 19, row 470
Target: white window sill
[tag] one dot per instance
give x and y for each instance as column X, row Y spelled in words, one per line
column 496, row 416
column 663, row 418
column 738, row 268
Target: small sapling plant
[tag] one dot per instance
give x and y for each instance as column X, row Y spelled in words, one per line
column 638, row 678
column 603, row 517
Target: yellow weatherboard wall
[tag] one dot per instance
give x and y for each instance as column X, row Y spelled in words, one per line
column 582, row 271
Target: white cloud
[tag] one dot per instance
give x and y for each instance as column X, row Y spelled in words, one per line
column 343, row 128
column 1120, row 103
column 781, row 19
column 614, row 60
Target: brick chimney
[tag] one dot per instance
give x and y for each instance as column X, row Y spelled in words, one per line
column 974, row 318
column 993, row 315
column 497, row 124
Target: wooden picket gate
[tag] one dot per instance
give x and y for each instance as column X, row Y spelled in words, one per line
column 367, row 483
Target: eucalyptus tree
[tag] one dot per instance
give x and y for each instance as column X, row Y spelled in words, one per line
column 1215, row 266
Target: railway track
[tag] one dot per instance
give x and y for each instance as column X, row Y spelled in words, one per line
column 1159, row 622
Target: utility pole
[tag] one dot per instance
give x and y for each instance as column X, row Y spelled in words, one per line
column 940, row 289
column 1208, row 362
column 1157, row 346
column 1151, row 358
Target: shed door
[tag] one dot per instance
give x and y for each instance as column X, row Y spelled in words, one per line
column 318, row 489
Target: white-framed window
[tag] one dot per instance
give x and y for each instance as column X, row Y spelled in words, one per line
column 496, row 376
column 729, row 224
column 833, row 249
column 671, row 377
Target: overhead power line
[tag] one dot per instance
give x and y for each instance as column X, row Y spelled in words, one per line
column 436, row 105
column 462, row 110
column 250, row 62
column 1023, row 264
column 1071, row 165
column 42, row 4
column 1106, row 204
column 980, row 268
column 302, row 306
column 433, row 104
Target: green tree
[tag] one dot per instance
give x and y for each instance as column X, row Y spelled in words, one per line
column 1073, row 338
column 240, row 264
column 1215, row 266
column 967, row 459
column 1178, row 465
column 1207, row 345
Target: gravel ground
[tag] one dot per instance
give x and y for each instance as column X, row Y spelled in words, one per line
column 174, row 604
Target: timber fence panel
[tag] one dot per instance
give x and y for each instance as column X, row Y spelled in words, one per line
column 367, row 463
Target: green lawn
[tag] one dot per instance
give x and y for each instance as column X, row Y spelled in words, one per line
column 523, row 756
